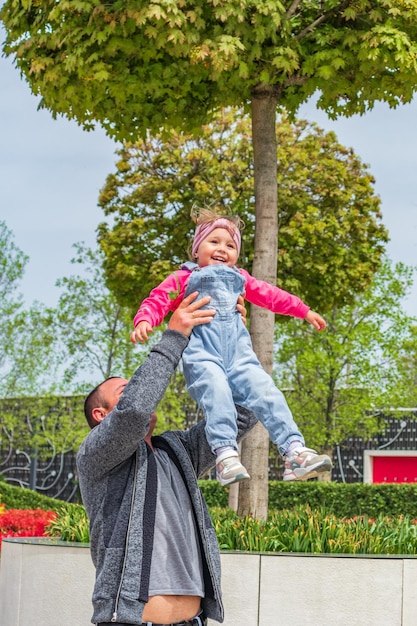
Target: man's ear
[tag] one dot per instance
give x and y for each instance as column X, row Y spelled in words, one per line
column 98, row 414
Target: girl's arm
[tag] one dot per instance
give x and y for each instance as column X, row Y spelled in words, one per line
column 279, row 301
column 274, row 299
column 164, row 298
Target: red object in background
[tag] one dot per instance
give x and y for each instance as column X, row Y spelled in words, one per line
column 394, row 469
column 24, row 522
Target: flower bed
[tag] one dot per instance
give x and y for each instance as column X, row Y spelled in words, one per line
column 24, row 522
column 304, row 530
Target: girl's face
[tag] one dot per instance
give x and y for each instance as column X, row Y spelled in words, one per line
column 217, row 247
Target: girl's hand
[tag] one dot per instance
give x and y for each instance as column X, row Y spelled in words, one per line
column 190, row 314
column 141, row 332
column 315, row 320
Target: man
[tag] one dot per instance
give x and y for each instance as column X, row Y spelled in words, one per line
column 152, row 543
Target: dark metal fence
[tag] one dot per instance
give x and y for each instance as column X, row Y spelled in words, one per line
column 38, row 440
column 55, row 474
column 55, row 477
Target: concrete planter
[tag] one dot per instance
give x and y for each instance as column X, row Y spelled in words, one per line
column 45, row 582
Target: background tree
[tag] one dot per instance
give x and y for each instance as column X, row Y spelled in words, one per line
column 408, row 367
column 341, row 380
column 12, row 266
column 52, row 357
column 93, row 327
column 27, row 363
column 134, row 66
column 331, row 235
column 93, row 331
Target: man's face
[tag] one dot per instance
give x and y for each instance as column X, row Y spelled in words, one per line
column 111, row 391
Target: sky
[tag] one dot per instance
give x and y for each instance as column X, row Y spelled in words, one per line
column 51, row 172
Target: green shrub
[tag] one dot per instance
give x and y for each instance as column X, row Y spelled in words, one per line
column 346, row 500
column 340, row 499
column 214, row 493
column 20, row 498
column 71, row 524
column 300, row 529
column 304, row 517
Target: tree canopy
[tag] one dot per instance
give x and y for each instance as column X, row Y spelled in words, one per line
column 331, row 235
column 132, row 65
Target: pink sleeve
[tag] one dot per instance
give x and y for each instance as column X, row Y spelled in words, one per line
column 164, row 298
column 273, row 298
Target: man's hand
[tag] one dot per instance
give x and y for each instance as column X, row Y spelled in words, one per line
column 241, row 308
column 315, row 320
column 190, row 314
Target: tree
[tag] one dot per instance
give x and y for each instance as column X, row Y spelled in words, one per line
column 93, row 329
column 28, row 362
column 137, row 66
column 25, row 344
column 92, row 326
column 12, row 265
column 331, row 235
column 133, row 66
column 342, row 379
column 408, row 367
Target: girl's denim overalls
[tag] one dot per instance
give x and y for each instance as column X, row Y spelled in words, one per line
column 221, row 368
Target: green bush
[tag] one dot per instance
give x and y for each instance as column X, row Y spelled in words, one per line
column 304, row 517
column 214, row 493
column 300, row 529
column 345, row 500
column 20, row 498
column 340, row 499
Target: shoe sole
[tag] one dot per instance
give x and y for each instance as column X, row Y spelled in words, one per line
column 234, row 479
column 306, row 473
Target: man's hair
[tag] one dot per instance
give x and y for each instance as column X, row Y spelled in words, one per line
column 95, row 400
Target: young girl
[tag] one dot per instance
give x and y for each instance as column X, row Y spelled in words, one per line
column 220, row 366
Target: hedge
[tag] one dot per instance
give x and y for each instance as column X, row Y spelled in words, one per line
column 339, row 499
column 20, row 498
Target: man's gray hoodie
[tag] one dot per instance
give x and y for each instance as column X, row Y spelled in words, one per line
column 117, row 476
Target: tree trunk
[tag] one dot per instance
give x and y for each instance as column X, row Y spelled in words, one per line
column 327, row 476
column 253, row 494
column 233, row 499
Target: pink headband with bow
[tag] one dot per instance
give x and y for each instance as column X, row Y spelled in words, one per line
column 203, row 230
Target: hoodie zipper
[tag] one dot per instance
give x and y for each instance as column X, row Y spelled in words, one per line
column 119, row 590
column 207, row 554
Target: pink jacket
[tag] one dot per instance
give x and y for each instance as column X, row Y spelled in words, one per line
column 169, row 294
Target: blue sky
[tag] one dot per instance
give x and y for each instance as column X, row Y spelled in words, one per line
column 51, row 172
